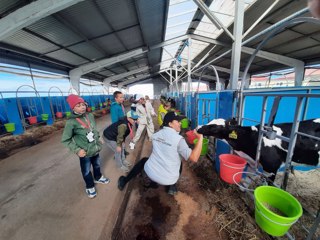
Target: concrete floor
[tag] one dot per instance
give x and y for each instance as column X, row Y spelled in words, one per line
column 42, row 194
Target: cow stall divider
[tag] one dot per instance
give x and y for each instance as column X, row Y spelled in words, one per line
column 88, row 99
column 301, row 102
column 299, row 113
column 6, row 128
column 30, row 108
column 58, row 106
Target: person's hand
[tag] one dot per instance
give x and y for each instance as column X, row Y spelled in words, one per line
column 198, row 135
column 82, row 153
column 101, row 140
column 118, row 149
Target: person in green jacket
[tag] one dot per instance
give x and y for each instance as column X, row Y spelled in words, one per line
column 115, row 136
column 80, row 135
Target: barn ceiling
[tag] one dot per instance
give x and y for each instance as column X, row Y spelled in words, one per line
column 91, row 31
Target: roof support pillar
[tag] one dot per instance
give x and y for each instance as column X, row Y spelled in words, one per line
column 189, row 65
column 31, row 13
column 236, row 46
column 75, row 82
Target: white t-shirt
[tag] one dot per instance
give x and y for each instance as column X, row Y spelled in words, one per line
column 164, row 163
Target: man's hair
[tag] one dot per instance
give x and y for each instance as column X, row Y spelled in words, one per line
column 115, row 94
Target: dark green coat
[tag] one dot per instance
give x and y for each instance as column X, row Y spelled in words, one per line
column 74, row 135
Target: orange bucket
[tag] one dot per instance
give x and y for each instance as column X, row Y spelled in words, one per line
column 190, row 136
column 32, row 120
column 230, row 165
column 59, row 114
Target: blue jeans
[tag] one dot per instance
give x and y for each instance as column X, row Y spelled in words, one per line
column 85, row 164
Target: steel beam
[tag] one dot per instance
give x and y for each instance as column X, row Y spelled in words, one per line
column 236, row 46
column 203, row 7
column 123, row 75
column 120, row 85
column 90, row 67
column 31, row 13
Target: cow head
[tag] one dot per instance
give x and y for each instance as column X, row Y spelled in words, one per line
column 220, row 128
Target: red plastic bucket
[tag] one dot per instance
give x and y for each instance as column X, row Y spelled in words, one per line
column 190, row 136
column 229, row 165
column 59, row 114
column 32, row 120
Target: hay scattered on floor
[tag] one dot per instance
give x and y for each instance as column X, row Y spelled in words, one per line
column 233, row 215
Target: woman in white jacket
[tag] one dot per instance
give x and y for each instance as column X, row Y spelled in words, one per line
column 145, row 112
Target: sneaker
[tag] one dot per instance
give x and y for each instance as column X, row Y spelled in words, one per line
column 125, row 168
column 121, row 183
column 102, row 180
column 131, row 145
column 91, row 192
column 126, row 163
column 172, row 189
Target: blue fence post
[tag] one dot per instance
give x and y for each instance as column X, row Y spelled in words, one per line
column 47, row 109
column 13, row 115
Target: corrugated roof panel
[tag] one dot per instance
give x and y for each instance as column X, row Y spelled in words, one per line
column 106, row 73
column 306, row 28
column 117, row 69
column 5, row 5
column 80, row 15
column 142, row 62
column 54, row 30
column 131, row 66
column 120, row 14
column 131, row 37
column 281, row 38
column 111, row 44
column 290, row 47
column 67, row 57
column 151, row 14
column 27, row 41
column 309, row 53
column 86, row 49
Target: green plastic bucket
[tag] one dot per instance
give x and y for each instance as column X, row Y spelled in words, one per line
column 205, row 143
column 93, row 108
column 68, row 114
column 44, row 117
column 185, row 123
column 275, row 210
column 10, row 127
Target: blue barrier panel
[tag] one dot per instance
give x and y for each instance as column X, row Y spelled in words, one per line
column 47, row 110
column 193, row 113
column 286, row 109
column 207, row 107
column 225, row 104
column 225, row 112
column 13, row 114
column 313, row 110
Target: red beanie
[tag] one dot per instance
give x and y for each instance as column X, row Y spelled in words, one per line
column 73, row 100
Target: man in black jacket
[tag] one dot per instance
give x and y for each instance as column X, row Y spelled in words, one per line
column 115, row 136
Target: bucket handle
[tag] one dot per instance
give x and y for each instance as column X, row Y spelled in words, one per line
column 281, row 224
column 242, row 187
column 232, row 166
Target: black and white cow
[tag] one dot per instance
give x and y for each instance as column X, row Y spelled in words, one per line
column 273, row 152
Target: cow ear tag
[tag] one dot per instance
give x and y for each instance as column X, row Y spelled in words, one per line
column 233, row 135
